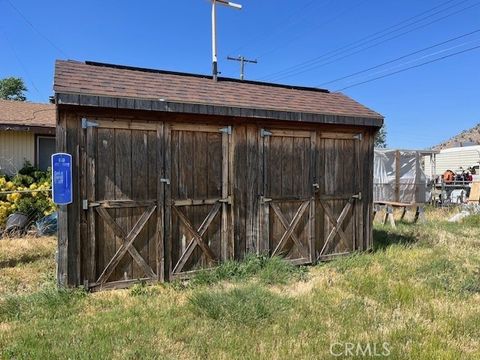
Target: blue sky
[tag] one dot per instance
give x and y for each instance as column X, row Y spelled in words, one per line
column 422, row 106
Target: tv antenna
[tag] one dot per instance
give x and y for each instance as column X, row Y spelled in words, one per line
column 214, row 32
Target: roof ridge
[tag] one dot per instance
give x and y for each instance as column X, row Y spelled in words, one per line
column 202, row 76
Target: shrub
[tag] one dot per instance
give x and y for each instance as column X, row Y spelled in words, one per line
column 38, row 201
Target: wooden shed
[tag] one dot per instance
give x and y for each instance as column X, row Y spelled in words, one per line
column 176, row 172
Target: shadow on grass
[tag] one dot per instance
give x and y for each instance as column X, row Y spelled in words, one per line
column 24, row 259
column 385, row 237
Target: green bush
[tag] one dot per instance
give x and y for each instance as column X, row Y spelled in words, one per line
column 38, row 201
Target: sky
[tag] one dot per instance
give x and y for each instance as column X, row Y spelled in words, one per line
column 301, row 42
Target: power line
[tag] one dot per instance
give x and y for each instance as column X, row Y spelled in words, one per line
column 376, row 44
column 363, row 41
column 423, row 57
column 35, row 29
column 336, row 59
column 310, row 64
column 19, row 60
column 410, row 67
column 400, row 58
column 287, row 22
column 322, row 24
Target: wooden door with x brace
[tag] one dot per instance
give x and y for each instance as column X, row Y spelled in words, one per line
column 198, row 222
column 287, row 203
column 338, row 197
column 121, row 192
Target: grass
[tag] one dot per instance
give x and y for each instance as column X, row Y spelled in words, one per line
column 418, row 291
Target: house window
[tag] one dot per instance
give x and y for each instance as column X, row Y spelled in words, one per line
column 45, row 149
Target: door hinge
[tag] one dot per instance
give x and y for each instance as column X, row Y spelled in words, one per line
column 358, row 137
column 88, row 124
column 166, row 181
column 264, row 133
column 227, row 200
column 86, row 204
column 358, row 196
column 264, row 200
column 226, row 130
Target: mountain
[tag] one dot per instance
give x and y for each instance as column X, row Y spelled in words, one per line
column 465, row 138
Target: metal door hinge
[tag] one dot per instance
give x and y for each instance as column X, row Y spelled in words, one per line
column 166, row 181
column 264, row 133
column 358, row 137
column 87, row 123
column 227, row 200
column 226, row 130
column 358, row 196
column 265, row 200
column 84, row 204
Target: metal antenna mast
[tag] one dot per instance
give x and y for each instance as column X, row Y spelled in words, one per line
column 214, row 32
column 242, row 61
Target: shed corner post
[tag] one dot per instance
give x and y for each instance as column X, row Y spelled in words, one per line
column 62, row 237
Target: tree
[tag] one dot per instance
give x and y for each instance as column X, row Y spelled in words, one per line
column 381, row 138
column 12, row 88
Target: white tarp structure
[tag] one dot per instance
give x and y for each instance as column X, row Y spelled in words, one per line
column 398, row 176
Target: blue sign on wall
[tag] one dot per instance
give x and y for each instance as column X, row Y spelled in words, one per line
column 62, row 179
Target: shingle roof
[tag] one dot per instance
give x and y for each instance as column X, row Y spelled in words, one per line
column 72, row 77
column 23, row 113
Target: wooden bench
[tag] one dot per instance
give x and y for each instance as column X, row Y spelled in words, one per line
column 391, row 205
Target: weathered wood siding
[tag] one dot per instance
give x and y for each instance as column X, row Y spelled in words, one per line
column 207, row 189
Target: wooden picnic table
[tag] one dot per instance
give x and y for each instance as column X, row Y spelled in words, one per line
column 391, row 205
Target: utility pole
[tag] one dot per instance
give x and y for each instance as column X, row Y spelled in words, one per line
column 242, row 61
column 214, row 32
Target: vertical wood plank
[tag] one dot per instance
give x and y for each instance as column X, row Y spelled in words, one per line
column 123, row 191
column 83, row 196
column 224, row 231
column 231, row 218
column 105, row 190
column 62, row 265
column 242, row 175
column 73, row 254
column 159, row 235
column 167, row 189
column 313, row 180
column 252, row 187
column 264, row 240
column 91, row 194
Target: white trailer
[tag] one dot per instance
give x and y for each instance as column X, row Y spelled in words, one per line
column 452, row 159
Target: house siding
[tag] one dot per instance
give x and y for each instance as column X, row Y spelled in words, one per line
column 15, row 149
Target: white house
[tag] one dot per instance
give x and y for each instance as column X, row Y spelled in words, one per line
column 27, row 133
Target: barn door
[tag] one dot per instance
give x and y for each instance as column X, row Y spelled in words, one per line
column 122, row 205
column 198, row 202
column 339, row 197
column 288, row 219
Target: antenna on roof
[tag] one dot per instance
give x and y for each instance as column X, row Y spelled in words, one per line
column 214, row 32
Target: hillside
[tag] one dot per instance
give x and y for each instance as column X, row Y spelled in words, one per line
column 466, row 137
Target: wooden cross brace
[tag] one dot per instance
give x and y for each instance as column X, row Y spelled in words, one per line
column 197, row 237
column 289, row 228
column 337, row 223
column 127, row 243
